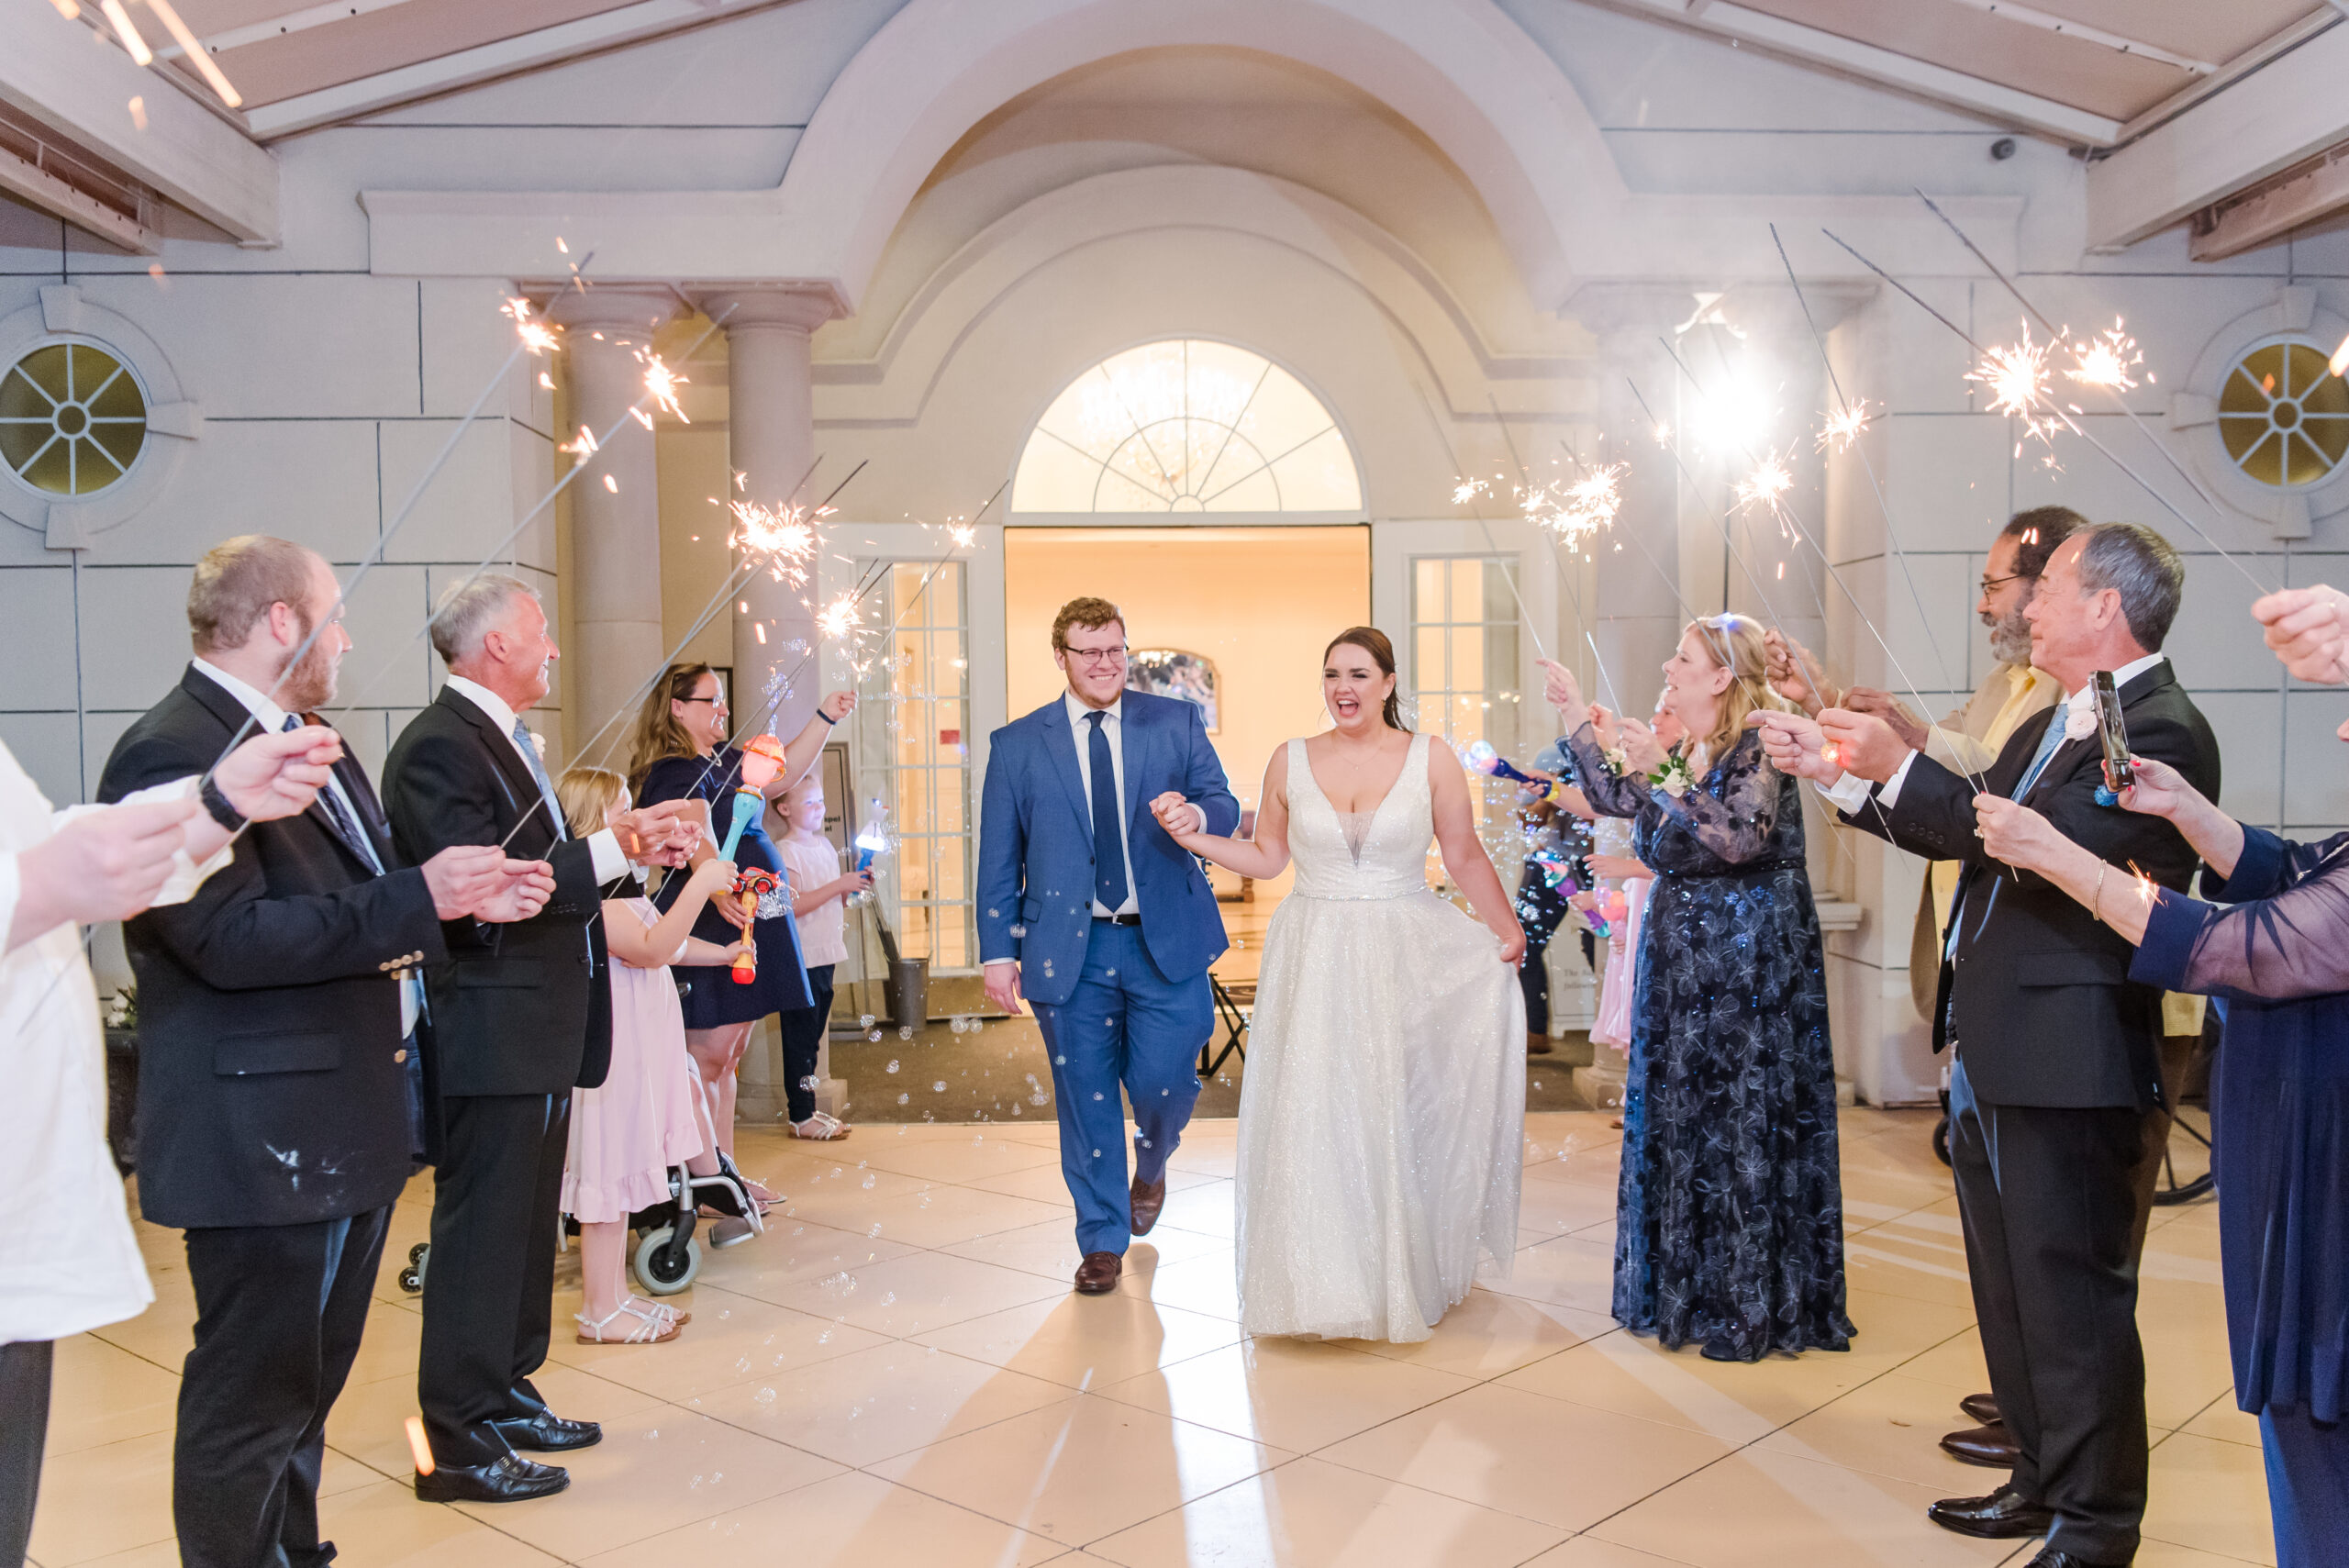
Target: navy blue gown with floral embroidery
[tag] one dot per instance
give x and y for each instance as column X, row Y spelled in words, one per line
column 1729, row 1228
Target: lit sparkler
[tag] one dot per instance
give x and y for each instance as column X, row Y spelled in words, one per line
column 839, row 620
column 1467, row 490
column 1765, row 485
column 784, row 542
column 2016, row 378
column 1844, row 426
column 584, row 447
column 2105, row 359
column 2339, row 364
column 661, row 384
column 537, row 335
column 963, row 535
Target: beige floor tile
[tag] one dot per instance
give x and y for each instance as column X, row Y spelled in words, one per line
column 382, row 1526
column 1050, row 1249
column 1589, row 1552
column 654, row 1471
column 2227, row 1421
column 850, row 1521
column 388, row 1347
column 369, row 1422
column 2162, row 1554
column 155, row 1554
column 99, row 1393
column 1574, row 1271
column 2184, row 1330
column 1957, row 1363
column 1758, row 1509
column 918, row 1292
column 794, row 1252
column 1558, row 1208
column 1085, row 1341
column 1206, row 1284
column 2211, row 1496
column 1892, row 1189
column 1288, row 1394
column 975, row 1154
column 1892, row 1426
column 1598, row 1168
column 165, row 1332
column 1489, row 1334
column 879, row 1402
column 102, row 1501
column 1205, row 1156
column 1042, row 1183
column 731, row 1338
column 941, row 1216
column 1898, row 1259
column 1206, row 1207
column 1079, row 1470
column 1308, row 1514
column 1634, row 1376
column 1566, row 1466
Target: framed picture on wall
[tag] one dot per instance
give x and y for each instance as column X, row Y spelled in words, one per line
column 1170, row 673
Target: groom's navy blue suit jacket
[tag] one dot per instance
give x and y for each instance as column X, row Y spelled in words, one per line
column 1036, row 844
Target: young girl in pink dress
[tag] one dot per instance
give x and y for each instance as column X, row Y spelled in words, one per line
column 648, row 1116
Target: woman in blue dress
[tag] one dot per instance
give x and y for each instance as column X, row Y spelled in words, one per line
column 681, row 755
column 1729, row 1226
column 2274, row 949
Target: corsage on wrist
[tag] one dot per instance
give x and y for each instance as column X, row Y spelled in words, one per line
column 1675, row 778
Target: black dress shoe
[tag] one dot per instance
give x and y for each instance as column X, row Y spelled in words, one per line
column 509, row 1479
column 2004, row 1514
column 2051, row 1558
column 1982, row 1407
column 547, row 1432
column 1992, row 1447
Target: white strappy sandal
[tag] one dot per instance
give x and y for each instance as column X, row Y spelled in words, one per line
column 649, row 1328
column 823, row 1125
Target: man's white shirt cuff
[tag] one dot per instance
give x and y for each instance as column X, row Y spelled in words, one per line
column 1850, row 792
column 604, row 854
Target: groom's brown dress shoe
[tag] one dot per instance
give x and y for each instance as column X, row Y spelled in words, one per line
column 1991, row 1445
column 1097, row 1275
column 1147, row 1198
column 1982, row 1407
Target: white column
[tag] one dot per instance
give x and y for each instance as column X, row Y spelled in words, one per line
column 771, row 440
column 615, row 590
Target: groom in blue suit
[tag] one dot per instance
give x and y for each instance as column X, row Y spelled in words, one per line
column 1089, row 911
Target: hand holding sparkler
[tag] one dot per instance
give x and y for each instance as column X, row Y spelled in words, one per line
column 1912, row 729
column 2014, row 833
column 1642, row 750
column 477, row 880
column 1795, row 673
column 1564, row 692
column 1862, row 743
column 1795, row 745
column 278, row 773
column 661, row 835
column 2309, row 629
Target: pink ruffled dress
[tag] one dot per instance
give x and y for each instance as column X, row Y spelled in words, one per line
column 1613, row 1025
column 631, row 1130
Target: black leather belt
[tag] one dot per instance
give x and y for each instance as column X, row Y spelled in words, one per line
column 1116, row 919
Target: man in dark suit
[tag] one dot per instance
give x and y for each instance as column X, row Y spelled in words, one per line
column 2059, row 1067
column 522, row 1014
column 278, row 1035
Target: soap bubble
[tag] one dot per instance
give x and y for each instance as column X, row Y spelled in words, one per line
column 1017, row 932
column 873, row 1035
column 939, row 1087
column 893, row 1064
column 905, row 1031
column 865, row 1020
column 901, row 1100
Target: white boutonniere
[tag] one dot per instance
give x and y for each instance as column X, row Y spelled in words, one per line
column 1617, row 759
column 1673, row 778
column 2079, row 719
column 538, row 744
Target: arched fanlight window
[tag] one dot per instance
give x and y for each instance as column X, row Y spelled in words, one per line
column 1186, row 424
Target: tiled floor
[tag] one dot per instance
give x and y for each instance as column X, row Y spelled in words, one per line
column 898, row 1375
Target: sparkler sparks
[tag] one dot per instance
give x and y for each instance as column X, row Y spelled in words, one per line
column 661, row 384
column 2016, row 378
column 2107, row 359
column 2339, row 364
column 1765, row 485
column 839, row 620
column 1844, row 426
column 784, row 540
column 963, row 535
column 1467, row 490
column 533, row 329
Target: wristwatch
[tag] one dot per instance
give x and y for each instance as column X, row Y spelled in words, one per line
column 216, row 804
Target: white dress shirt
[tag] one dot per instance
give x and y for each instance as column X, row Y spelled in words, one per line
column 68, row 1260
column 1110, row 719
column 1850, row 792
column 610, row 861
column 271, row 718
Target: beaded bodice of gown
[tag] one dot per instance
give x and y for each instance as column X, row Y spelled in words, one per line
column 1380, row 854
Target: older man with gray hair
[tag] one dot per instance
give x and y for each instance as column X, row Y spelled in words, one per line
column 522, row 1015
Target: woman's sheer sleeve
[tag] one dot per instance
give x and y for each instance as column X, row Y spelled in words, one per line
column 1611, row 793
column 2291, row 945
column 1739, row 824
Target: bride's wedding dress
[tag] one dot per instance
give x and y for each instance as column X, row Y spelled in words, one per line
column 1383, row 1111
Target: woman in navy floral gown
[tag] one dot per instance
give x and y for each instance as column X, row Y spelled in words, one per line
column 1729, row 1226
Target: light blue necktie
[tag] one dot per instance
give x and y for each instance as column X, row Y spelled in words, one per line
column 2049, row 744
column 539, row 772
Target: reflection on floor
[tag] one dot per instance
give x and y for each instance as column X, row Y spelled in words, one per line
column 898, row 1375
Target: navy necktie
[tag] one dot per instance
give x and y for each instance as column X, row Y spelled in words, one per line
column 1108, row 833
column 345, row 829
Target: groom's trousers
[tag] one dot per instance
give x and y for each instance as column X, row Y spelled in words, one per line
column 1126, row 1026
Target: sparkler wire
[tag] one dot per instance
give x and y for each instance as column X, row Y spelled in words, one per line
column 1525, row 481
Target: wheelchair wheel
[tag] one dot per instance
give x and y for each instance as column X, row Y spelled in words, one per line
column 662, row 1266
column 2186, row 1168
column 412, row 1276
column 1940, row 1138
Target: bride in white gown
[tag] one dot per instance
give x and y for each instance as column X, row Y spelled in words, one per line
column 1382, row 1113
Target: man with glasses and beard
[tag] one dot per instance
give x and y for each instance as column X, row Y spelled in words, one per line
column 279, row 1071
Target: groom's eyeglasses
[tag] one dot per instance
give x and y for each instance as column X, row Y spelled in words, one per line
column 1096, row 658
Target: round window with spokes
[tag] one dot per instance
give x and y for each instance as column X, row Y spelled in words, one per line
column 2284, row 415
column 72, row 419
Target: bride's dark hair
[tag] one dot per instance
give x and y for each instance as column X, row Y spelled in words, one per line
column 1373, row 642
